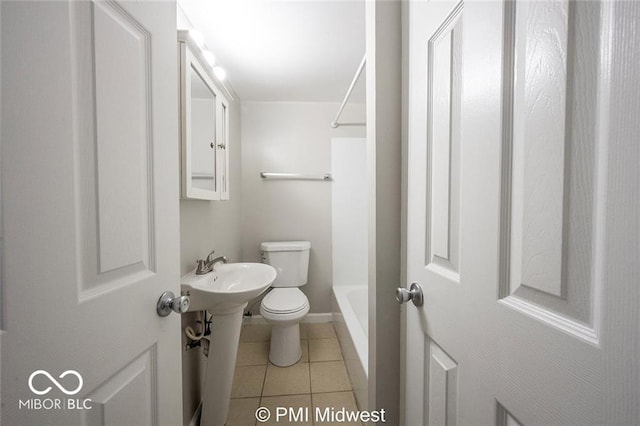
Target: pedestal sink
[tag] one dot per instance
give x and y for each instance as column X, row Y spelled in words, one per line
column 224, row 292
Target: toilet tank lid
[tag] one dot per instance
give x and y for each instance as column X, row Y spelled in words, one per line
column 285, row 246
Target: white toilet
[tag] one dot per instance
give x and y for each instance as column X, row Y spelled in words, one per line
column 285, row 306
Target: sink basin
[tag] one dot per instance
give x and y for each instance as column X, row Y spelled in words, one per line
column 228, row 286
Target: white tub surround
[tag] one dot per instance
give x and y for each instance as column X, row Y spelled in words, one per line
column 349, row 222
column 350, row 258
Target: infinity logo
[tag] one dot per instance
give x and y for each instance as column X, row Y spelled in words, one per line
column 55, row 382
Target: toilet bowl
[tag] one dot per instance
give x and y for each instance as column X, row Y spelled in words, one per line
column 285, row 305
column 284, row 308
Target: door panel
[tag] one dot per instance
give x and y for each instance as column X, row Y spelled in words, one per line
column 514, row 182
column 90, row 198
column 122, row 138
column 442, row 390
column 552, row 181
column 112, row 107
column 443, row 145
column 126, row 397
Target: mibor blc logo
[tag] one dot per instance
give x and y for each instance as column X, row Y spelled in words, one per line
column 55, row 403
column 55, row 382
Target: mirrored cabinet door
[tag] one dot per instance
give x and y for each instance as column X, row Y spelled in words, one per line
column 202, row 133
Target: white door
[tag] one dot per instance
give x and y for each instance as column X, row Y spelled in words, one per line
column 90, row 213
column 523, row 213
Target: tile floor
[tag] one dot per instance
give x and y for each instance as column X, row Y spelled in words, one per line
column 319, row 379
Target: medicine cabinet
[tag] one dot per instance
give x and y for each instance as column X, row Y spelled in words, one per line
column 204, row 127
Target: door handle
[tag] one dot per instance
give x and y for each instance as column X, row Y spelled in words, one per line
column 169, row 302
column 414, row 294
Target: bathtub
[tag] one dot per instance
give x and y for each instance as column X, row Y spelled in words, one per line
column 350, row 319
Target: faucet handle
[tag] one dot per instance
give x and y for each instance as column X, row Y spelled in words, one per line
column 210, row 255
column 201, row 266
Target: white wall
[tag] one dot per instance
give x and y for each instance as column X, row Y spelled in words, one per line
column 349, row 217
column 292, row 137
column 183, row 23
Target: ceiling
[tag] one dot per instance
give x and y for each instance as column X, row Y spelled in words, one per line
column 275, row 50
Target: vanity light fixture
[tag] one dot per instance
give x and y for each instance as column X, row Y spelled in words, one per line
column 209, row 57
column 220, row 73
column 197, row 37
column 197, row 41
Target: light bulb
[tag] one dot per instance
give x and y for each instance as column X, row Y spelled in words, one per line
column 209, row 57
column 220, row 73
column 197, row 37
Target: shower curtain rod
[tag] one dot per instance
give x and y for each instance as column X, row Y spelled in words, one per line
column 335, row 123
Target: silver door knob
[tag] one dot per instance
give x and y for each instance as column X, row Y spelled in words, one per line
column 169, row 302
column 414, row 294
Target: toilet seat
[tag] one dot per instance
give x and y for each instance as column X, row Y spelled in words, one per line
column 284, row 301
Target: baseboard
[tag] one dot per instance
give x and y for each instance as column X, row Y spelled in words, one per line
column 309, row 319
column 195, row 420
column 318, row 318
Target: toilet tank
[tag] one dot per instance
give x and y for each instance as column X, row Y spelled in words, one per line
column 291, row 260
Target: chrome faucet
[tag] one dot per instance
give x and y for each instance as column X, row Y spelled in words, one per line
column 204, row 266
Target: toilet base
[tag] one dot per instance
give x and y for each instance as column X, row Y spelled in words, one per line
column 285, row 345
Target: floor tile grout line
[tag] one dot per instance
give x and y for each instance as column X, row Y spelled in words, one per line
column 264, row 380
column 296, row 394
column 309, row 356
